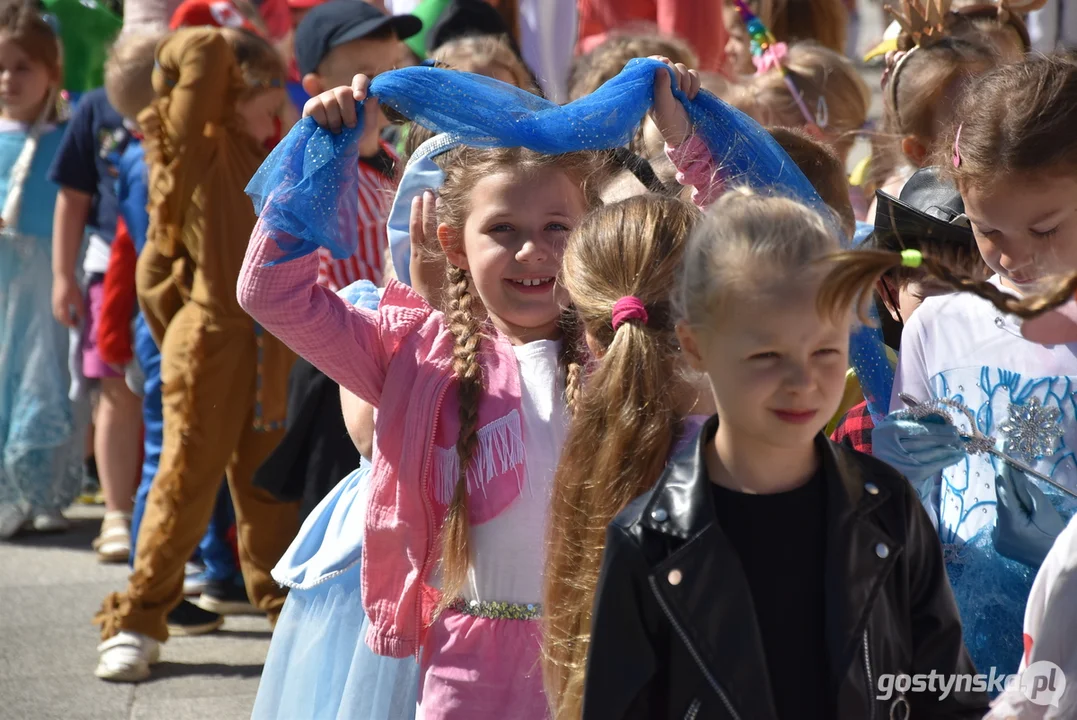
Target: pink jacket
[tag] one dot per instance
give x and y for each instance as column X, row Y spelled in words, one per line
column 399, row 360
column 697, row 169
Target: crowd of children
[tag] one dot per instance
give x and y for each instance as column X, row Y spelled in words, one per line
column 499, row 408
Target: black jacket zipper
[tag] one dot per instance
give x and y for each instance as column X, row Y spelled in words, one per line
column 692, row 650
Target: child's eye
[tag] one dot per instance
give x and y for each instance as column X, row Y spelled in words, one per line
column 1045, row 234
column 558, row 227
column 827, row 352
column 500, row 227
column 764, row 356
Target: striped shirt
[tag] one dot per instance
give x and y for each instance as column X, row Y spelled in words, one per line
column 376, row 188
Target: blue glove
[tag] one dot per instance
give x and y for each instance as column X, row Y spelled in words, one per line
column 1027, row 522
column 918, row 449
column 361, row 293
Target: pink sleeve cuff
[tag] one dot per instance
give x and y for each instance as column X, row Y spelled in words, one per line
column 696, row 168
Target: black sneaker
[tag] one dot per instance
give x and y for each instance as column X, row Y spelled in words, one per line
column 188, row 619
column 90, row 492
column 226, row 598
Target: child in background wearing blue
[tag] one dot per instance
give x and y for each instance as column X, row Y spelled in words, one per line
column 40, row 443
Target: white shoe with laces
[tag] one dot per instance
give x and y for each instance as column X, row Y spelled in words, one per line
column 127, row 657
column 12, row 518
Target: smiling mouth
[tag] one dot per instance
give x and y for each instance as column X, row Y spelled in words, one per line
column 796, row 417
column 533, row 282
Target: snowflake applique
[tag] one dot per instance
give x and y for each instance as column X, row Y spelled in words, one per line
column 1032, row 430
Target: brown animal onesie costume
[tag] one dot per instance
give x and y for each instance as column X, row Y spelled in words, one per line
column 224, row 378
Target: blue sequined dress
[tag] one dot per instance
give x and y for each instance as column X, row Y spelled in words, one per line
column 1024, row 397
column 41, row 446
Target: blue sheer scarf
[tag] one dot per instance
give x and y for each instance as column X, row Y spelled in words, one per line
column 306, row 192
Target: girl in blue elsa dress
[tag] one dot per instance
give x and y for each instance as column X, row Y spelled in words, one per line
column 318, row 665
column 41, row 446
column 964, row 354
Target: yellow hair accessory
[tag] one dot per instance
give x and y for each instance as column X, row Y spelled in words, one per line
column 912, row 258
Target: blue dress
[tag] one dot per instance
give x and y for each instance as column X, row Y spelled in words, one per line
column 318, row 664
column 41, row 438
column 1020, row 398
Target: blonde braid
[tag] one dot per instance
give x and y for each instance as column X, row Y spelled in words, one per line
column 456, row 552
column 573, row 358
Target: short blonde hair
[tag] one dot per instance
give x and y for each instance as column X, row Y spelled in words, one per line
column 824, row 78
column 129, row 71
column 746, row 244
column 485, row 51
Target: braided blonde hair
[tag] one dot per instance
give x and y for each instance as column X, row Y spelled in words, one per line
column 464, row 166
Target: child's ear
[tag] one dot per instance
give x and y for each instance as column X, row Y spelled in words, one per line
column 453, row 245
column 888, row 294
column 914, row 150
column 312, row 84
column 690, row 347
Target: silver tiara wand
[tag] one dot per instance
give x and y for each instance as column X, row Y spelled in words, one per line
column 977, row 442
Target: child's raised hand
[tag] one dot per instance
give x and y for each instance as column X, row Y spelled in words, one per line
column 668, row 112
column 427, row 263
column 336, row 108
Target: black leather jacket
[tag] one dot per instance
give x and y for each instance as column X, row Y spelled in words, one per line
column 674, row 632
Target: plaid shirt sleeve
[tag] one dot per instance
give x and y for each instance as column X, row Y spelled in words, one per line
column 854, row 429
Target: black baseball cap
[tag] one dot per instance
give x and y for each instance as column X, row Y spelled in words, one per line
column 340, row 21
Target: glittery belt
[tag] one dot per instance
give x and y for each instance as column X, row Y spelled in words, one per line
column 497, row 610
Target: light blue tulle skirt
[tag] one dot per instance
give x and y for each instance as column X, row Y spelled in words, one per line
column 318, row 667
column 991, row 592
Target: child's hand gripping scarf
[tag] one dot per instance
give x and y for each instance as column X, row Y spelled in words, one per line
column 307, row 189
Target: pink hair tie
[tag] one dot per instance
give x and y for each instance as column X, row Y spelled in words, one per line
column 957, row 149
column 628, row 308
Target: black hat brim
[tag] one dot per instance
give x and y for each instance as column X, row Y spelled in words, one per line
column 893, row 217
column 404, row 26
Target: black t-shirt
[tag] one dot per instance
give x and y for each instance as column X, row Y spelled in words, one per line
column 781, row 542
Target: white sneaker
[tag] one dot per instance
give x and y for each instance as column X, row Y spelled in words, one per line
column 12, row 517
column 51, row 521
column 127, row 657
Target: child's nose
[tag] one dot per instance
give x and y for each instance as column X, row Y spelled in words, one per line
column 798, row 376
column 533, row 250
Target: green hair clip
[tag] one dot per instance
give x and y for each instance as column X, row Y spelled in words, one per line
column 912, row 258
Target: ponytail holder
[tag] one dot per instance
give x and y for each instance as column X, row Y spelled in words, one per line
column 957, row 148
column 629, row 308
column 912, row 258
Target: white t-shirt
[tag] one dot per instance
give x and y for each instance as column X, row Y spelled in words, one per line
column 961, row 347
column 508, row 551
